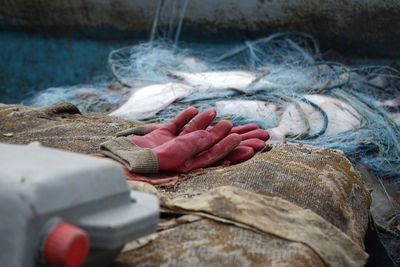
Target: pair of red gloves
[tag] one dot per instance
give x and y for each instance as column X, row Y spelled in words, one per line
column 183, row 145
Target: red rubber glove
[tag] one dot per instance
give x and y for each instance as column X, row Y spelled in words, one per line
column 159, row 135
column 198, row 149
column 253, row 140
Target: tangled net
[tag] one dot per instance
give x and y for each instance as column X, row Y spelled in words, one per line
column 98, row 97
column 288, row 66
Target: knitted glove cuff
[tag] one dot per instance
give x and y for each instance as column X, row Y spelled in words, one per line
column 135, row 158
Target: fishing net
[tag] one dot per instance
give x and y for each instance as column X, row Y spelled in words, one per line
column 101, row 97
column 376, row 144
column 283, row 68
column 168, row 20
column 278, row 61
column 152, row 62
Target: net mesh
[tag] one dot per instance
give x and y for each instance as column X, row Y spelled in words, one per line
column 264, row 81
column 282, row 69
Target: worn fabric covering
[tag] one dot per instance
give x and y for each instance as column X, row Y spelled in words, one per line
column 273, row 215
column 321, row 180
column 59, row 126
column 313, row 178
column 210, row 243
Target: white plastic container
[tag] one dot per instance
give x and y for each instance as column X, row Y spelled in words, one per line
column 54, row 205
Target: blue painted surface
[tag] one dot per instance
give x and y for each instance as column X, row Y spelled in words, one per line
column 33, row 62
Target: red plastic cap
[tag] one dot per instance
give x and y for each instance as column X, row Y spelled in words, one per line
column 66, row 246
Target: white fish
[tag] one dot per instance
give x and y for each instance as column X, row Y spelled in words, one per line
column 218, row 80
column 222, row 80
column 394, row 103
column 147, row 101
column 396, row 118
column 261, row 111
column 245, row 81
column 341, row 117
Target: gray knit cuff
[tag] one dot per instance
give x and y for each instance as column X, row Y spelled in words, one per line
column 135, row 158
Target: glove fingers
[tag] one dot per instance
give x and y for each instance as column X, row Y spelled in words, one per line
column 202, row 140
column 254, row 143
column 214, row 154
column 258, row 133
column 239, row 154
column 177, row 123
column 172, row 154
column 220, row 130
column 179, row 154
column 201, row 122
column 244, row 128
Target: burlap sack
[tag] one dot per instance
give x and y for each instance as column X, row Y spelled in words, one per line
column 291, row 206
column 320, row 185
